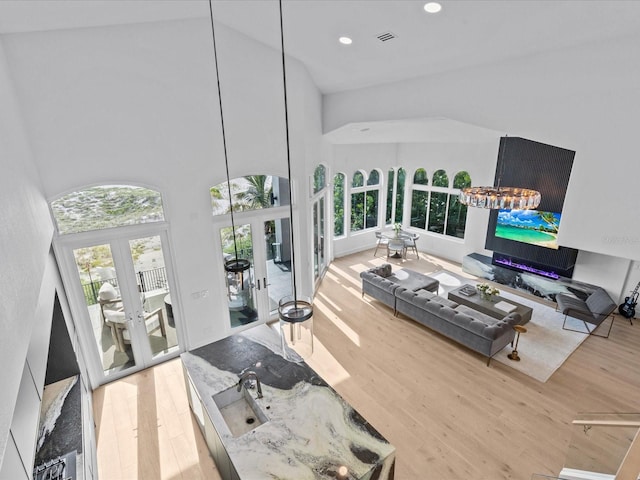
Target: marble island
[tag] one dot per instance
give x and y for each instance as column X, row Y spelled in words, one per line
column 308, row 431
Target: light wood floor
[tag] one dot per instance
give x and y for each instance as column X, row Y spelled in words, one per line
column 447, row 413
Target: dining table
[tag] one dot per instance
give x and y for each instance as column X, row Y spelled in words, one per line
column 398, row 240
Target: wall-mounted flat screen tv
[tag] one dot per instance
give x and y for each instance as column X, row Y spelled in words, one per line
column 529, row 226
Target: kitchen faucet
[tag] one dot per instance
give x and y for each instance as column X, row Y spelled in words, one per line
column 245, row 377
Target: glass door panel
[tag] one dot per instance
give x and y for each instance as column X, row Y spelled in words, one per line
column 105, row 308
column 239, row 272
column 276, row 280
column 155, row 318
column 321, row 236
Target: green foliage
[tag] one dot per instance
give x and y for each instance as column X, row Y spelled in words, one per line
column 420, row 177
column 338, row 204
column 440, row 179
column 256, row 196
column 319, row 178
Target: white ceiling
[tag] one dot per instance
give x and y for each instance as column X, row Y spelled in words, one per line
column 464, row 34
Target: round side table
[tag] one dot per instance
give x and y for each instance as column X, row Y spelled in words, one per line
column 514, row 355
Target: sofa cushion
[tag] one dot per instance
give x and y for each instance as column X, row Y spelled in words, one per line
column 600, row 303
column 414, row 281
column 437, row 298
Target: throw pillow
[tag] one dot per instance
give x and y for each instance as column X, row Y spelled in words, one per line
column 383, row 271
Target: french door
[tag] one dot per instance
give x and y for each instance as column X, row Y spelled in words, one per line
column 262, row 240
column 120, row 286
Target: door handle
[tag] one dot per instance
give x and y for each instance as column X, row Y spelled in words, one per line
column 264, row 282
column 258, row 284
column 140, row 317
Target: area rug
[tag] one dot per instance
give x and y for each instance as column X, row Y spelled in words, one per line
column 545, row 346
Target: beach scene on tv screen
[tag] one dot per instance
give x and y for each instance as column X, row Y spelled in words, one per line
column 529, row 226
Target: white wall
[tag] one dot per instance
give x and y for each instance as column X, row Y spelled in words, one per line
column 25, row 238
column 138, row 104
column 585, row 99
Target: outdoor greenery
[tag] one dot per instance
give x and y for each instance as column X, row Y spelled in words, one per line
column 319, row 178
column 438, row 211
column 338, row 204
column 106, row 206
column 400, row 195
column 389, row 214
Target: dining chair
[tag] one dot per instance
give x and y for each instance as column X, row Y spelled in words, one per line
column 410, row 240
column 380, row 240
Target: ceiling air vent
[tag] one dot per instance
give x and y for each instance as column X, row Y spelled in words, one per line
column 386, row 36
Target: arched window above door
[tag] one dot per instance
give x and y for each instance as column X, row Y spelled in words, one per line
column 251, row 192
column 319, row 178
column 106, row 206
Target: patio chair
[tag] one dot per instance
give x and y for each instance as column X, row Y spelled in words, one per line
column 117, row 321
column 380, row 240
column 109, row 299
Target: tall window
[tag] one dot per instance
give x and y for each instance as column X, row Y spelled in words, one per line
column 438, row 202
column 457, row 216
column 400, row 195
column 436, row 208
column 338, row 204
column 390, row 197
column 395, row 196
column 419, row 199
column 252, row 192
column 364, row 200
column 318, row 215
column 106, row 206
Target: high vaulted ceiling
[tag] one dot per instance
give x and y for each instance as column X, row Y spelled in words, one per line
column 463, row 34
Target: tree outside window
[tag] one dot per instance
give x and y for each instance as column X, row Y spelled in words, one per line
column 457, row 217
column 319, row 178
column 400, row 195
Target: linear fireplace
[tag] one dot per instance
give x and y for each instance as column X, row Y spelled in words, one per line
column 522, row 265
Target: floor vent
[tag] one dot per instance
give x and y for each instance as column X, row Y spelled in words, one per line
column 386, row 36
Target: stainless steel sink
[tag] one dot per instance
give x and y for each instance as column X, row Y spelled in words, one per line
column 239, row 410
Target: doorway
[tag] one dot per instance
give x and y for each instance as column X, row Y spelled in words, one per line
column 254, row 290
column 121, row 291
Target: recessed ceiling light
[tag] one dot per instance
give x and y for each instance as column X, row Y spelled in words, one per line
column 345, row 40
column 432, row 7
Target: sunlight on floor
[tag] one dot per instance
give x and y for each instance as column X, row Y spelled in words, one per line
column 328, row 300
column 333, row 318
column 345, row 275
column 326, row 364
column 146, row 429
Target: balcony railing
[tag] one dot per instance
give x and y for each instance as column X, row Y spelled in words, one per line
column 147, row 280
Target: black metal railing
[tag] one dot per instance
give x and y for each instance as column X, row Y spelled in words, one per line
column 148, row 280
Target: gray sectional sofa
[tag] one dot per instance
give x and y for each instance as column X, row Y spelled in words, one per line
column 475, row 330
column 381, row 283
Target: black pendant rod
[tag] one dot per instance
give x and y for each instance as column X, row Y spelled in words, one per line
column 224, row 138
column 286, row 123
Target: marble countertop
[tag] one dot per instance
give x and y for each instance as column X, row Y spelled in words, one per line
column 312, row 433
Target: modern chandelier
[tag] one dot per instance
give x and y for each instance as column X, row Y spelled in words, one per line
column 499, row 197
